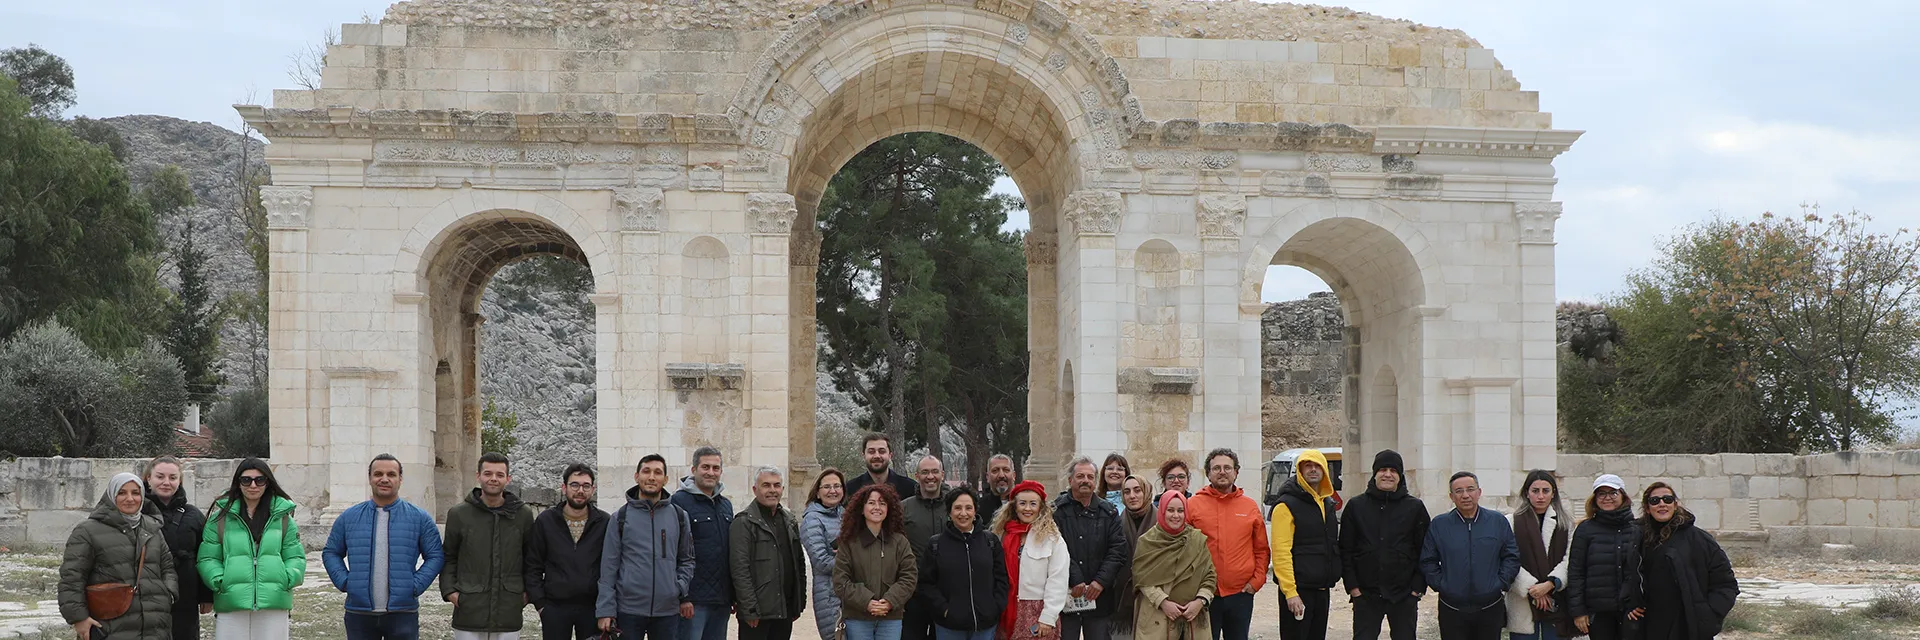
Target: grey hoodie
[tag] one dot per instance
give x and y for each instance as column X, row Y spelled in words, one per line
column 646, row 564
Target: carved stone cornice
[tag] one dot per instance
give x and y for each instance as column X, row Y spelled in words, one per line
column 1253, row 136
column 1221, row 215
column 771, row 213
column 1536, row 221
column 490, row 126
column 287, row 207
column 1472, row 141
column 1093, row 212
column 639, row 208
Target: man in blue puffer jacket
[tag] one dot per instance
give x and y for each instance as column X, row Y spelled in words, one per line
column 1469, row 559
column 383, row 553
column 710, row 517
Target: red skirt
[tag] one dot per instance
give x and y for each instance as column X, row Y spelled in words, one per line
column 1026, row 617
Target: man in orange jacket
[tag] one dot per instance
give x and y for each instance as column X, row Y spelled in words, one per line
column 1237, row 540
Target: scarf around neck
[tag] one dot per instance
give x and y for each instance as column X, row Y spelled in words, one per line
column 1538, row 556
column 1176, row 562
column 1010, row 545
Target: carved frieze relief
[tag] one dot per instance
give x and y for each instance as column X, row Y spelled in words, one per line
column 1221, row 215
column 1094, row 212
column 639, row 208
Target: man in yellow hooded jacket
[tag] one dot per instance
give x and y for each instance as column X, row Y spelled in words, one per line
column 1306, row 544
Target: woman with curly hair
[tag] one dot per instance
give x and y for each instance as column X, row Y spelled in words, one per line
column 874, row 569
column 1037, row 563
column 1689, row 583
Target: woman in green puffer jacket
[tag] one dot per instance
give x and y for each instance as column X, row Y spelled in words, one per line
column 251, row 557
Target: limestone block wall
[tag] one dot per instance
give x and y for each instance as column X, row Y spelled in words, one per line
column 1303, row 374
column 41, row 499
column 1848, row 498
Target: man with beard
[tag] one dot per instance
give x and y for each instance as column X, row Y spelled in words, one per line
column 1381, row 533
column 999, row 482
column 703, row 615
column 1306, row 544
column 1097, row 552
column 563, row 559
column 486, row 535
column 926, row 516
column 879, row 454
column 646, row 566
column 1237, row 540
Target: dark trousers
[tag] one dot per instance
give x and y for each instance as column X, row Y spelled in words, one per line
column 1483, row 624
column 916, row 623
column 767, row 630
column 1607, row 625
column 186, row 621
column 569, row 620
column 655, row 627
column 398, row 625
column 1080, row 626
column 1402, row 616
column 1313, row 625
column 1231, row 615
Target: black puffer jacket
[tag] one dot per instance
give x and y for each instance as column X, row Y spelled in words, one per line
column 181, row 525
column 963, row 579
column 1705, row 575
column 1097, row 549
column 1602, row 570
column 1381, row 533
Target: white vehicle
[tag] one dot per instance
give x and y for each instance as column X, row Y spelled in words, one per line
column 1281, row 468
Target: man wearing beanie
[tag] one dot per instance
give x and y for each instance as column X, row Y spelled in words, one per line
column 1381, row 533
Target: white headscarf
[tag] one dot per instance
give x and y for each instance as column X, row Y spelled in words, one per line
column 113, row 490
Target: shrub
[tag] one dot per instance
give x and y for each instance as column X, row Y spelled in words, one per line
column 1895, row 603
column 240, row 425
column 1808, row 621
column 62, row 398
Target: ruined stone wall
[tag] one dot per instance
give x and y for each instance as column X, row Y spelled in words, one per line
column 1303, row 365
column 41, row 499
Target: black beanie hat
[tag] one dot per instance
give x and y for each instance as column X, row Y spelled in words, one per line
column 1389, row 459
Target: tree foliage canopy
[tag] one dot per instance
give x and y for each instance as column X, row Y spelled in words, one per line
column 922, row 296
column 1772, row 335
column 44, row 79
column 62, row 398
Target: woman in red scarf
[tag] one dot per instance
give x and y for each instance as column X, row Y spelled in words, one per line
column 1036, row 565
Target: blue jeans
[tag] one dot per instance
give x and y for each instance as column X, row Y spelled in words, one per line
column 709, row 622
column 399, row 625
column 1542, row 631
column 873, row 630
column 943, row 633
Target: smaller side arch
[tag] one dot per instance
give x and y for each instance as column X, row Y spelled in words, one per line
column 471, row 205
column 1285, row 226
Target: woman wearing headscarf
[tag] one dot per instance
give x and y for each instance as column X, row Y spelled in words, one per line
column 819, row 528
column 1603, row 577
column 1688, row 581
column 1136, row 517
column 1173, row 573
column 120, row 543
column 1037, row 563
column 1542, row 531
column 251, row 556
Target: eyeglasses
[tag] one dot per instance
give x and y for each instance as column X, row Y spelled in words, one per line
column 258, row 481
column 1175, row 476
column 1605, row 492
column 578, row 486
column 1667, row 499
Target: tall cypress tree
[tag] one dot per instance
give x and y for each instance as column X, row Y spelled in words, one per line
column 193, row 323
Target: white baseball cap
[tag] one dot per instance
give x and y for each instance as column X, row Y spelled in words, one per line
column 1609, row 480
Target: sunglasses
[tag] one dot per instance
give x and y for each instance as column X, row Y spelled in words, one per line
column 258, row 481
column 1663, row 500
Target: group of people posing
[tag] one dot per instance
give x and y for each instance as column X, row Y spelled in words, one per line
column 883, row 556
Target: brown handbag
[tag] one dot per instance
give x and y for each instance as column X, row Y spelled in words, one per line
column 109, row 600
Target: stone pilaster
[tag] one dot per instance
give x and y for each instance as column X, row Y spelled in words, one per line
column 1539, row 399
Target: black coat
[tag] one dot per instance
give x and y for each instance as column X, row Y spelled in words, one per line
column 903, row 487
column 181, row 524
column 559, row 570
column 1706, row 577
column 1381, row 534
column 1097, row 548
column 963, row 579
column 1602, row 566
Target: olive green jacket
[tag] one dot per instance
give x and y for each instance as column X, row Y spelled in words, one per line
column 769, row 579
column 484, row 563
column 104, row 548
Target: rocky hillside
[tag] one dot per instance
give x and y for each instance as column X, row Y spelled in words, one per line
column 215, row 159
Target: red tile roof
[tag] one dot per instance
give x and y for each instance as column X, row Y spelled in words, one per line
column 192, row 445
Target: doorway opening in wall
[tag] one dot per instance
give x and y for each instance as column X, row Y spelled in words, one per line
column 537, row 371
column 1303, row 362
column 921, row 304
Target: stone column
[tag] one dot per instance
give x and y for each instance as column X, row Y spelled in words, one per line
column 628, row 342
column 770, row 221
column 1093, row 216
column 1229, row 415
column 1044, row 389
column 288, row 210
column 1482, row 429
column 803, row 399
column 1537, row 445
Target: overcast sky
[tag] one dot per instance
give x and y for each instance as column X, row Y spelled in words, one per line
column 1690, row 108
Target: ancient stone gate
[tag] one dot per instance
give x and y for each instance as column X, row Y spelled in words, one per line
column 680, row 153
